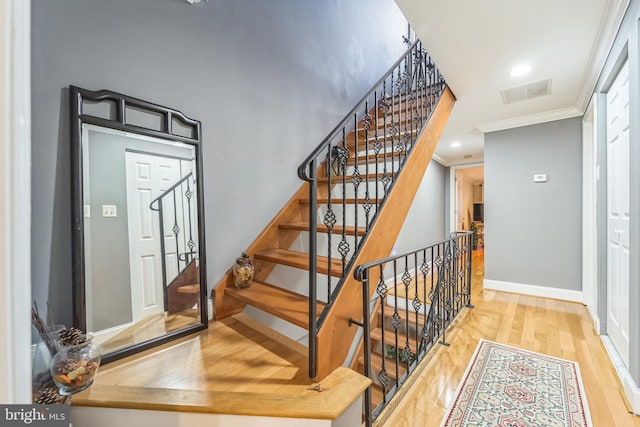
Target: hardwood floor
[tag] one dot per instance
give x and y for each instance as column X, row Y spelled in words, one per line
column 236, row 367
column 150, row 327
column 557, row 328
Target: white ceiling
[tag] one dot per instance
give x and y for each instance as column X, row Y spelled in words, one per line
column 476, row 43
column 473, row 175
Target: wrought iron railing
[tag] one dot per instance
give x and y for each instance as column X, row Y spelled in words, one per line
column 417, row 296
column 351, row 172
column 176, row 205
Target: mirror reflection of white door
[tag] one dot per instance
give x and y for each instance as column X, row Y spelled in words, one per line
column 147, row 177
column 618, row 213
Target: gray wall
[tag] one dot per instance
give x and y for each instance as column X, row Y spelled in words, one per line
column 424, row 223
column 626, row 45
column 533, row 231
column 268, row 80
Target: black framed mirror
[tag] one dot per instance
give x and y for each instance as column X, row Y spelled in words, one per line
column 139, row 265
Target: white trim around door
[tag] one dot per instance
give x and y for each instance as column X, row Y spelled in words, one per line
column 589, row 229
column 452, row 192
column 15, row 201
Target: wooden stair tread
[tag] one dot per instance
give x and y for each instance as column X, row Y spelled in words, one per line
column 338, row 201
column 337, row 229
column 300, row 260
column 188, row 289
column 280, row 302
column 381, row 157
column 387, row 139
column 338, row 179
column 389, row 338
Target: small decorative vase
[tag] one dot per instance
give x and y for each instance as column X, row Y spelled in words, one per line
column 243, row 271
column 74, row 367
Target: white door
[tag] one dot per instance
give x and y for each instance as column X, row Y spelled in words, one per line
column 147, row 177
column 618, row 213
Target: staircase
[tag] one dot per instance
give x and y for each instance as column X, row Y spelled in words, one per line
column 179, row 258
column 409, row 301
column 359, row 185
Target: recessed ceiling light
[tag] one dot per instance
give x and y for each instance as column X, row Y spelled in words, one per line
column 455, row 144
column 520, row 70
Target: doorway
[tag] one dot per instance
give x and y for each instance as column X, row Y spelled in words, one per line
column 147, row 177
column 467, row 207
column 618, row 212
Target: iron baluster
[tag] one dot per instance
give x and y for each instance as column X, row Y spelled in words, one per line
column 386, row 179
column 469, row 269
column 392, row 131
column 163, row 260
column 366, row 203
column 191, row 243
column 406, row 280
column 376, row 148
column 313, row 267
column 157, row 205
column 438, row 261
column 356, row 179
column 417, row 303
column 366, row 326
column 175, row 229
column 343, row 246
column 382, row 291
column 395, row 320
column 329, row 222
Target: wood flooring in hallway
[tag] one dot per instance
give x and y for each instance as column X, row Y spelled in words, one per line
column 557, row 328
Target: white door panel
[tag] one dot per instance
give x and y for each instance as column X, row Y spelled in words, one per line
column 147, row 177
column 618, row 213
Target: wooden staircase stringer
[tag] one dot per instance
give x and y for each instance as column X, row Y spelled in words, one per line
column 335, row 336
column 272, row 237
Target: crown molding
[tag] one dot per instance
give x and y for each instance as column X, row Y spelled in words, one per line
column 532, row 119
column 439, row 160
column 606, row 36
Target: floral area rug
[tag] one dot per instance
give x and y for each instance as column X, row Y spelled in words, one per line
column 509, row 387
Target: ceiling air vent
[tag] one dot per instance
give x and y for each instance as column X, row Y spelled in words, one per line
column 528, row 91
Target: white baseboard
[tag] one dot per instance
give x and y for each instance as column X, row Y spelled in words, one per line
column 631, row 390
column 594, row 316
column 533, row 290
column 106, row 334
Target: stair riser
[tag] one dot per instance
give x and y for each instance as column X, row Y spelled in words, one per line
column 351, row 212
column 388, row 137
column 349, row 190
column 323, row 244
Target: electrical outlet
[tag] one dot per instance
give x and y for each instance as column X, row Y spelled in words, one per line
column 109, row 211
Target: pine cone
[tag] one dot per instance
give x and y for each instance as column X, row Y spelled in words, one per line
column 70, row 336
column 49, row 395
column 66, row 366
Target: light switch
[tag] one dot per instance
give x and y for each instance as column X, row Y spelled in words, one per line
column 87, row 211
column 109, row 211
column 542, row 177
